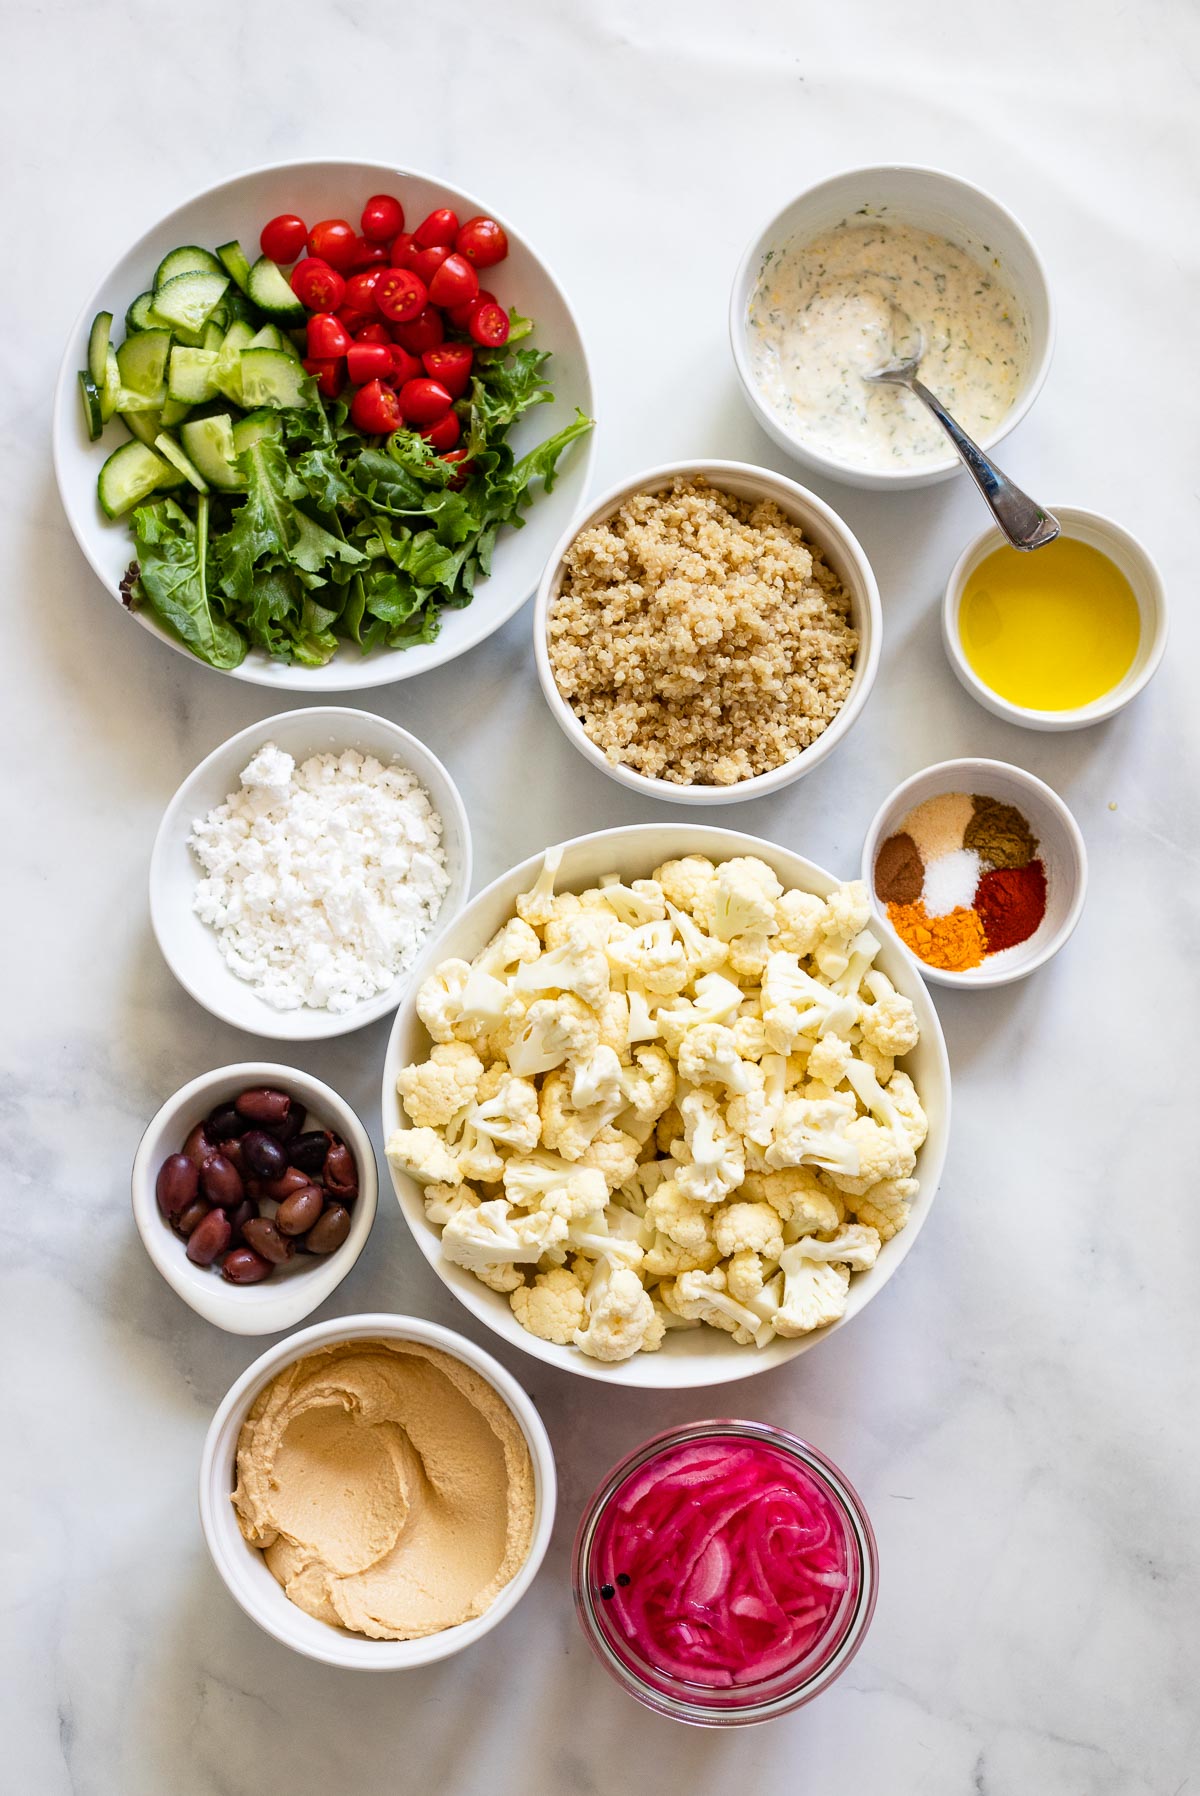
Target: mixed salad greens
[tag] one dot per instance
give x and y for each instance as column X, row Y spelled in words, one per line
column 263, row 515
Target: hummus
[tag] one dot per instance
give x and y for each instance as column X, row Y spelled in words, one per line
column 388, row 1486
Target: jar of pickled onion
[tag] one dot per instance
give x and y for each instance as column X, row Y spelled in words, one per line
column 725, row 1572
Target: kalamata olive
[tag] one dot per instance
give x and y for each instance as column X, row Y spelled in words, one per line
column 287, row 1130
column 292, row 1180
column 198, row 1147
column 308, row 1151
column 246, row 1212
column 262, row 1155
column 231, row 1150
column 245, row 1267
column 329, row 1230
column 188, row 1219
column 263, row 1105
column 209, row 1238
column 341, row 1174
column 221, row 1182
column 297, row 1213
column 266, row 1240
column 224, row 1123
column 177, row 1184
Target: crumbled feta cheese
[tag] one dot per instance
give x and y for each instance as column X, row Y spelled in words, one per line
column 321, row 881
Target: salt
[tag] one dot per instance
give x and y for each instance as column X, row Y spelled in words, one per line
column 950, row 882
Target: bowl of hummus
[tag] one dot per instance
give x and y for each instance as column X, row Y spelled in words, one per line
column 377, row 1492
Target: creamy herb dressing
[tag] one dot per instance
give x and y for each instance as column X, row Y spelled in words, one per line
column 824, row 312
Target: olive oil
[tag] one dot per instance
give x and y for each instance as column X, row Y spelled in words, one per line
column 1049, row 630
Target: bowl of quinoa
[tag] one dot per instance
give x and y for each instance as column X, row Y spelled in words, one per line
column 708, row 632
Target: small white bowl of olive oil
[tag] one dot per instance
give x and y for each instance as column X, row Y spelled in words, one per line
column 1059, row 637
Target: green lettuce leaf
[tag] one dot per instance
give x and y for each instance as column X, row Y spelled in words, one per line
column 172, row 554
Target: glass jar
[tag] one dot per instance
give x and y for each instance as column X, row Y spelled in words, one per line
column 729, row 1704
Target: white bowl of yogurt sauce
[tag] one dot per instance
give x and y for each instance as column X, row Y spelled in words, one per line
column 814, row 305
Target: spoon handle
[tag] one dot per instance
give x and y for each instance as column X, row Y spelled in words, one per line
column 1025, row 523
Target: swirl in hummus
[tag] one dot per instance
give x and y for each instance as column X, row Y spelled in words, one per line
column 388, row 1486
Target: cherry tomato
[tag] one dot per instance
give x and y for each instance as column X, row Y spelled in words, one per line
column 482, row 241
column 466, row 467
column 376, row 410
column 423, row 402
column 370, row 361
column 407, row 367
column 400, row 248
column 360, row 290
column 450, row 364
column 354, row 319
column 426, row 262
column 317, row 285
column 375, row 332
column 444, row 434
column 424, row 332
column 329, row 375
column 327, row 337
column 334, row 241
column 400, row 294
column 488, row 324
column 283, row 238
column 369, row 255
column 455, row 283
column 460, row 316
column 382, row 217
column 439, row 227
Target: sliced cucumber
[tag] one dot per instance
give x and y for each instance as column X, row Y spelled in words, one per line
column 98, row 341
column 140, row 316
column 253, row 428
column 112, row 385
column 174, row 411
column 189, row 339
column 269, row 337
column 228, row 372
column 236, row 306
column 214, row 334
column 145, row 426
column 90, row 394
column 170, row 450
column 209, row 443
column 130, row 475
column 187, row 301
column 130, row 401
column 142, row 361
column 268, row 287
column 233, row 258
column 191, row 259
column 269, row 377
column 191, row 376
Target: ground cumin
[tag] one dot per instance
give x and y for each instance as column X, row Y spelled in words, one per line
column 955, row 941
column 999, row 834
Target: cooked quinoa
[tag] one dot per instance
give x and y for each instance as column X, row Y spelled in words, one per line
column 699, row 638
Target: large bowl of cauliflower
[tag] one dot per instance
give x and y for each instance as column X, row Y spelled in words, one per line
column 663, row 1108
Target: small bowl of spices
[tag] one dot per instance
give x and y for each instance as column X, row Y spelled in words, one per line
column 979, row 869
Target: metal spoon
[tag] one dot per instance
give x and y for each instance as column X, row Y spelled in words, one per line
column 1025, row 523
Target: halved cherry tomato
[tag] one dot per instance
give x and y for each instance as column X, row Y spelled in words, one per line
column 488, row 324
column 444, row 434
column 370, row 361
column 460, row 316
column 382, row 217
column 455, row 283
column 329, row 376
column 423, row 332
column 407, row 367
column 440, row 226
column 327, row 337
column 426, row 262
column 375, row 332
column 482, row 241
column 450, row 363
column 466, row 467
column 334, row 241
column 369, row 255
column 360, row 290
column 400, row 248
column 354, row 318
column 317, row 285
column 400, row 294
column 423, row 402
column 376, row 409
column 283, row 238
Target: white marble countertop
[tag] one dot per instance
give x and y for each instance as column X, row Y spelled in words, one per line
column 1019, row 1409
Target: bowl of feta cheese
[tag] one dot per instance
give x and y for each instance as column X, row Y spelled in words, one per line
column 303, row 867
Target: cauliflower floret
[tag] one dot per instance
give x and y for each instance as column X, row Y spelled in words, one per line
column 443, row 1201
column 654, row 957
column 815, row 1131
column 885, row 1206
column 477, row 1156
column 714, row 999
column 552, row 1306
column 704, row 952
column 649, row 1084
column 690, row 883
column 679, row 1218
column 621, row 1319
column 665, row 1258
column 614, row 1025
column 716, row 1163
column 829, row 1059
column 708, row 1055
column 703, row 1297
column 536, row 906
column 889, row 1023
column 439, row 1000
column 749, row 1037
column 877, row 1153
column 501, row 1278
column 882, row 1065
column 431, row 1091
column 902, row 1095
column 578, row 966
column 668, row 1129
column 643, row 1025
column 745, row 899
column 756, row 1111
column 746, row 1273
column 424, row 1156
column 637, row 1191
column 614, row 1154
column 493, row 1235
column 814, row 1293
column 596, row 1081
column 797, row 1195
column 511, row 1116
column 566, row 1130
column 545, row 1181
column 795, row 1005
column 859, row 955
column 553, row 1030
column 509, row 947
column 752, row 1227
column 847, row 912
column 855, row 1245
column 641, row 902
column 798, row 918
column 593, row 928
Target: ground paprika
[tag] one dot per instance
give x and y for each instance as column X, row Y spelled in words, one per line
column 1011, row 902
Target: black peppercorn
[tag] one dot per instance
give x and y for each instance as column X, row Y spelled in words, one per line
column 607, row 1592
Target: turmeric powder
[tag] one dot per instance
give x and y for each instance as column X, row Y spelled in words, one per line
column 955, row 941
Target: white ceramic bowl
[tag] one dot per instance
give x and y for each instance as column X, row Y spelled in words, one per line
column 333, row 189
column 1139, row 569
column 243, row 1567
column 689, row 1358
column 190, row 947
column 1060, row 846
column 822, row 526
column 932, row 201
column 293, row 1291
